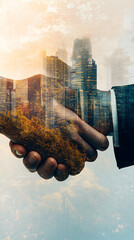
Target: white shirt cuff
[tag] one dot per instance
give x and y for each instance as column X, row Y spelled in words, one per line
column 114, row 119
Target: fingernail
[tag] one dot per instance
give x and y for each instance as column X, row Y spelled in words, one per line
column 18, row 153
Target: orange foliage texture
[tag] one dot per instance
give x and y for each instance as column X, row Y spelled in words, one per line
column 32, row 134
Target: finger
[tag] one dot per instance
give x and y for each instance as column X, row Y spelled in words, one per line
column 48, row 168
column 61, row 173
column 84, row 146
column 92, row 136
column 18, row 150
column 32, row 161
column 76, row 168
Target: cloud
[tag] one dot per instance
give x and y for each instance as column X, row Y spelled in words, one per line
column 5, row 198
column 69, row 196
column 29, row 26
column 51, row 200
column 86, row 181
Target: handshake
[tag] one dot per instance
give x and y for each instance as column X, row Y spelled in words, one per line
column 52, row 132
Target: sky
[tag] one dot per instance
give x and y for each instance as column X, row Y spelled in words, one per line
column 98, row 203
column 28, row 27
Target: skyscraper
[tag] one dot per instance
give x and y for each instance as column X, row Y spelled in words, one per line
column 55, row 68
column 83, row 68
column 83, row 72
column 3, row 88
column 56, row 72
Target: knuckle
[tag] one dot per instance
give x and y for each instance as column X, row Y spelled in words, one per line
column 33, row 155
column 74, row 137
column 78, row 121
column 51, row 163
column 47, row 169
column 32, row 161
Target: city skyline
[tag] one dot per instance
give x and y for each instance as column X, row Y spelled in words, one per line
column 81, row 76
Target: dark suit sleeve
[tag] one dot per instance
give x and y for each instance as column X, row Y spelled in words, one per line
column 125, row 110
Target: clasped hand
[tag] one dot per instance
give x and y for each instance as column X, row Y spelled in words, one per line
column 87, row 139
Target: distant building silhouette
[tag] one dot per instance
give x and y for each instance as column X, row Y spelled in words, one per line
column 3, row 94
column 62, row 54
column 7, row 95
column 9, row 90
column 120, row 63
column 22, row 92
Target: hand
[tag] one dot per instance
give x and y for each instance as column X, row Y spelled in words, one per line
column 85, row 136
column 29, row 133
column 33, row 163
column 98, row 105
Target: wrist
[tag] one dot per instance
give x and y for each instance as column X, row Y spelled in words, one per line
column 100, row 113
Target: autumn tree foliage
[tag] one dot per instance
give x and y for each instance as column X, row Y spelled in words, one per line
column 33, row 135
